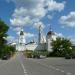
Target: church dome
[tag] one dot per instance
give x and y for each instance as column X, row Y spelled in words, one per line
column 21, row 33
column 50, row 33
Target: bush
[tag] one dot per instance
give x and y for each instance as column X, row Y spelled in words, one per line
column 49, row 54
column 7, row 50
column 28, row 54
column 31, row 54
column 36, row 55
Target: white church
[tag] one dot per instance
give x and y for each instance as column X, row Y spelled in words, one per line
column 41, row 45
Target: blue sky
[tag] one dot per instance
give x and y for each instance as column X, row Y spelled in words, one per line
column 60, row 14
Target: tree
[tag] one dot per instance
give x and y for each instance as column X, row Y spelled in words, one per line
column 8, row 50
column 61, row 47
column 3, row 33
column 4, row 48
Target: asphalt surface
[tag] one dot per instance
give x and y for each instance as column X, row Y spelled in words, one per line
column 19, row 65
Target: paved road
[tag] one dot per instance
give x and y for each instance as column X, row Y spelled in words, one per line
column 50, row 66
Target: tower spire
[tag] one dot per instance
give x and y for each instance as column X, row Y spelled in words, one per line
column 39, row 36
column 50, row 28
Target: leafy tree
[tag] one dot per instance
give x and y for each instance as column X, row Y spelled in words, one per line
column 8, row 51
column 4, row 48
column 3, row 33
column 61, row 47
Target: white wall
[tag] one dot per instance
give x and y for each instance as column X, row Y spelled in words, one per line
column 20, row 47
column 31, row 47
column 36, row 47
column 48, row 45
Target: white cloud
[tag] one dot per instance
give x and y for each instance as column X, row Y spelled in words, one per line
column 28, row 35
column 68, row 20
column 31, row 4
column 72, row 40
column 35, row 12
column 27, row 3
column 17, row 29
column 37, row 24
column 21, row 21
column 49, row 17
column 53, row 5
column 59, row 34
column 28, row 10
column 31, row 8
column 10, row 39
column 20, row 12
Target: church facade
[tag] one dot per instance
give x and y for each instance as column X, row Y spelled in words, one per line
column 21, row 46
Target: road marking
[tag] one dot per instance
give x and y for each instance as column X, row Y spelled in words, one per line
column 57, row 69
column 25, row 72
column 62, row 71
column 53, row 67
column 23, row 67
column 68, row 73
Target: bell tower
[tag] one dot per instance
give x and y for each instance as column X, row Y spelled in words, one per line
column 49, row 39
column 21, row 41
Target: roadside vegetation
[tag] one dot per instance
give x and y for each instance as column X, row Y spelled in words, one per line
column 5, row 50
column 31, row 54
column 61, row 47
column 35, row 54
column 28, row 53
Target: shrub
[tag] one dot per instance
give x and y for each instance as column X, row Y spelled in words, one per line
column 28, row 54
column 7, row 50
column 36, row 54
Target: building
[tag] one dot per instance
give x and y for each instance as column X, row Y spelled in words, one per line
column 49, row 39
column 20, row 46
column 41, row 45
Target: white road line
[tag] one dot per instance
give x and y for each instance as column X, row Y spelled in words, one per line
column 57, row 69
column 62, row 71
column 25, row 72
column 23, row 67
column 53, row 67
column 68, row 73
